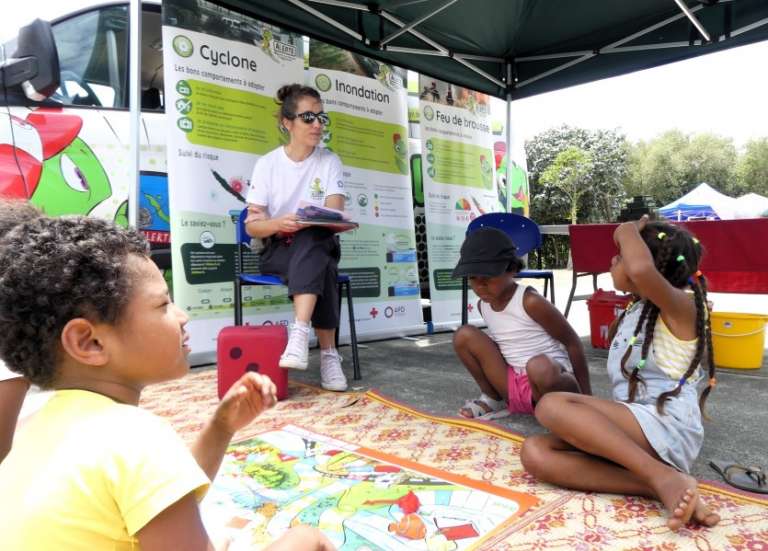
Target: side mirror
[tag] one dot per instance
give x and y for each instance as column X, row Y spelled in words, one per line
column 35, row 64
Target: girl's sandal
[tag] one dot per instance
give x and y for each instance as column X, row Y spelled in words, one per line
column 485, row 408
column 751, row 479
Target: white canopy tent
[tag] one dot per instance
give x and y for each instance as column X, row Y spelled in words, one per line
column 702, row 202
column 751, row 205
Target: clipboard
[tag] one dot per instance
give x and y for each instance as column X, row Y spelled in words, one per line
column 337, row 226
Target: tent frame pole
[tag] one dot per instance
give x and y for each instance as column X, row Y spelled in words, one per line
column 407, row 28
column 608, row 49
column 322, row 17
column 696, row 23
column 457, row 57
column 134, row 103
column 508, row 128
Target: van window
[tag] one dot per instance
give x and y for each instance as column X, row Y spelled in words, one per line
column 151, row 60
column 93, row 58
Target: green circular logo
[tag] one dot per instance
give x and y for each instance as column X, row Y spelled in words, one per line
column 183, row 88
column 183, row 46
column 323, row 82
column 185, row 124
column 429, row 113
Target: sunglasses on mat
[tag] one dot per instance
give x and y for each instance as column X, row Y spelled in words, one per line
column 308, row 117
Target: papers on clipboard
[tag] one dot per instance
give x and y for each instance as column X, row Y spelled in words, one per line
column 316, row 215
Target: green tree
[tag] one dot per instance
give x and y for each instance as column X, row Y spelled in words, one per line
column 711, row 159
column 570, row 174
column 600, row 203
column 673, row 163
column 752, row 168
column 657, row 167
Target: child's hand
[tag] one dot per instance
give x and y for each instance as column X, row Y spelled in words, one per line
column 642, row 222
column 633, row 225
column 246, row 399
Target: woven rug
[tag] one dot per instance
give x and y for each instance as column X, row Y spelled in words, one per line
column 562, row 520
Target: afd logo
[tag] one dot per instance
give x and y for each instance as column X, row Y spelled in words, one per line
column 183, row 46
column 392, row 311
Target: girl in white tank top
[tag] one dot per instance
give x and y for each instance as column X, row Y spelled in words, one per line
column 529, row 350
column 520, row 337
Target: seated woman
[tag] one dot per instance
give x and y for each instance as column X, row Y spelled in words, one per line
column 306, row 258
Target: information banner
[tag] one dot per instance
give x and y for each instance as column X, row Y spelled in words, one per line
column 366, row 101
column 459, row 185
column 222, row 71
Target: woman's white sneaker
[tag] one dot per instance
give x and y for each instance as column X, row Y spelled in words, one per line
column 331, row 375
column 296, row 354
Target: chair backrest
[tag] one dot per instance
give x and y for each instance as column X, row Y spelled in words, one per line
column 241, row 236
column 592, row 247
column 523, row 231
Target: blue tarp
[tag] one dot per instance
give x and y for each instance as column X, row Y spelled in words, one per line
column 684, row 211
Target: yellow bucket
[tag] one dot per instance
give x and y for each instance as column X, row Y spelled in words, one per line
column 738, row 339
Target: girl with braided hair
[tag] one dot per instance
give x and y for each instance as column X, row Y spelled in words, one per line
column 645, row 440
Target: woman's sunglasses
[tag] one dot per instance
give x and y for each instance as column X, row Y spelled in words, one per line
column 308, row 117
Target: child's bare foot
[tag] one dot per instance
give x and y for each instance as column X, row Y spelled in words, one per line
column 680, row 495
column 704, row 516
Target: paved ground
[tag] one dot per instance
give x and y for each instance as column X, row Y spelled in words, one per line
column 424, row 373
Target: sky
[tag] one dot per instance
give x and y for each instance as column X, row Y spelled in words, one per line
column 724, row 93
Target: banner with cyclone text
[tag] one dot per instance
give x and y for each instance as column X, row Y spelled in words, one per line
column 460, row 184
column 222, row 70
column 366, row 101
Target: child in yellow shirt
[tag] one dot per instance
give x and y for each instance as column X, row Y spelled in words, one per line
column 84, row 311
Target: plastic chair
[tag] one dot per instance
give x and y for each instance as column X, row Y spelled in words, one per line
column 241, row 279
column 527, row 237
column 592, row 249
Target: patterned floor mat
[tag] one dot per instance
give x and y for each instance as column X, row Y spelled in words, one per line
column 480, row 451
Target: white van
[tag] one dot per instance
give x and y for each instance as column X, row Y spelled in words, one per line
column 69, row 154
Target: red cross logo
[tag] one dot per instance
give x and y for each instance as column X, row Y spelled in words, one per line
column 374, row 312
column 470, row 307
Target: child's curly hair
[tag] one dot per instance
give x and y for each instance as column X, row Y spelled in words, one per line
column 14, row 212
column 53, row 270
column 677, row 255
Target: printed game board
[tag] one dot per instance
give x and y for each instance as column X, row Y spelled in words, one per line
column 362, row 499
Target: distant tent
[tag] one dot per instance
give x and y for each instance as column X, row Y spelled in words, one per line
column 702, row 203
column 751, row 205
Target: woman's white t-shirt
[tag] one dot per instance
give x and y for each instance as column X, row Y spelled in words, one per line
column 280, row 183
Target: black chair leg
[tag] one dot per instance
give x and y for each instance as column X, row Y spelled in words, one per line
column 464, row 299
column 338, row 329
column 353, row 333
column 238, row 303
column 551, row 280
column 573, row 291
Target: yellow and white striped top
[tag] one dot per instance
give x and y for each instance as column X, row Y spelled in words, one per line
column 672, row 355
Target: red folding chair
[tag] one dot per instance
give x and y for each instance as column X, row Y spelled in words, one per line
column 592, row 249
